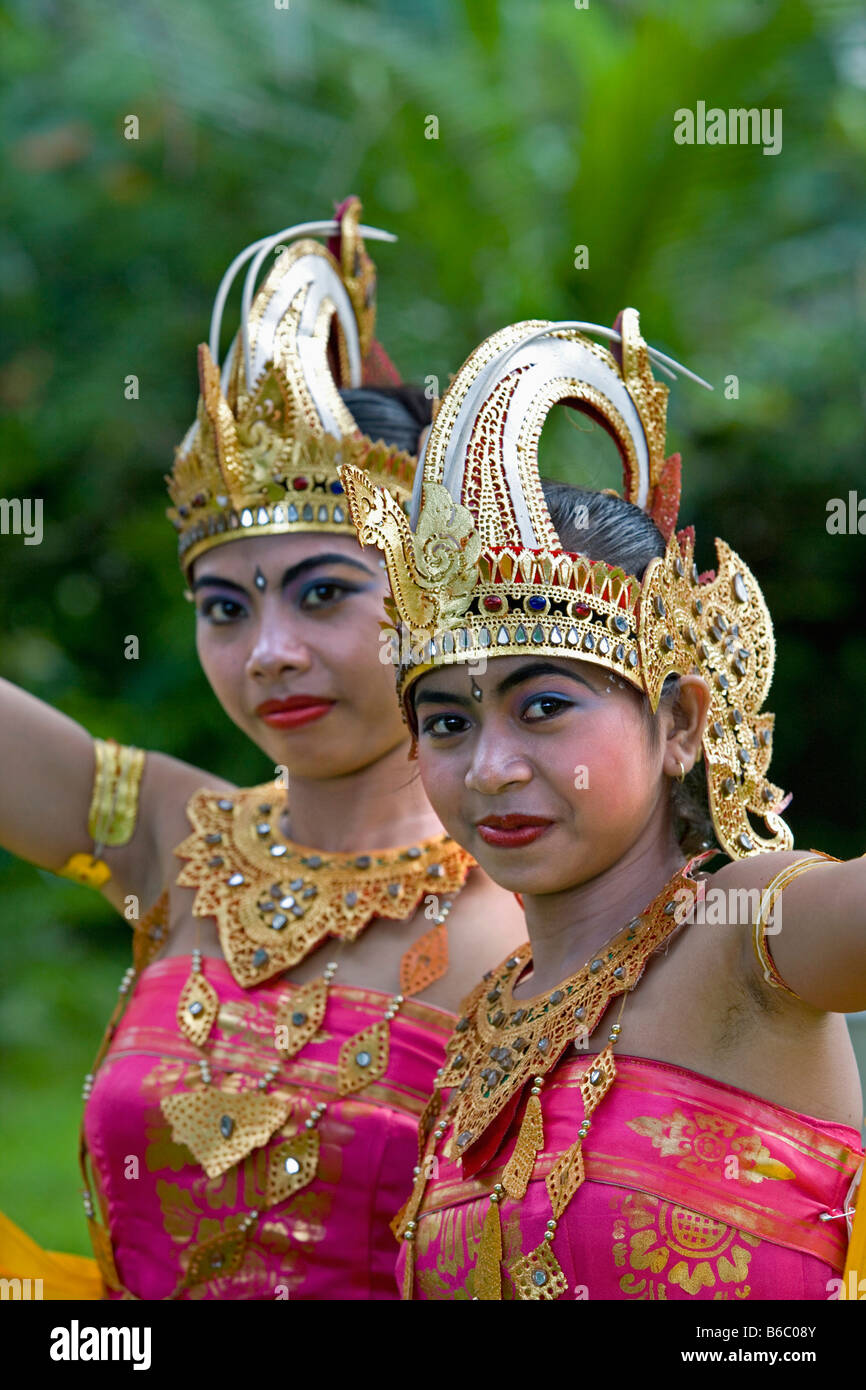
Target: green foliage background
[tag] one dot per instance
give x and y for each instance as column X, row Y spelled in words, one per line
column 555, row 130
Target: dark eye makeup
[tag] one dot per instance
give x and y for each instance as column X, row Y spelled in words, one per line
column 326, row 593
column 533, row 709
column 315, row 595
column 215, row 609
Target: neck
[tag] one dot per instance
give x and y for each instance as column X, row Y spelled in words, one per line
column 567, row 928
column 380, row 806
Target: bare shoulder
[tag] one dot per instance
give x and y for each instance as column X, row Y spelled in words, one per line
column 741, row 889
column 757, row 872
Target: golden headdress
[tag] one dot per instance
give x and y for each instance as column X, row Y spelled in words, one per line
column 271, row 431
column 478, row 568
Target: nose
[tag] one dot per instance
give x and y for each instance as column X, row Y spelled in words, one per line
column 496, row 766
column 277, row 646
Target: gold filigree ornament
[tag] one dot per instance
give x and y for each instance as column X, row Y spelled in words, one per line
column 217, row 1257
column 197, row 1006
column 113, row 809
column 275, row 901
column 262, row 457
column 221, row 1128
column 502, row 1045
column 292, row 1166
column 477, row 569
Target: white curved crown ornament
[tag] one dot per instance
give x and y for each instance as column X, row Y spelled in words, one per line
column 478, row 567
column 262, row 457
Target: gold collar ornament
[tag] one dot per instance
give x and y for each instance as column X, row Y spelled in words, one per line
column 500, row 1046
column 477, row 570
column 262, row 456
column 275, row 901
column 221, row 1128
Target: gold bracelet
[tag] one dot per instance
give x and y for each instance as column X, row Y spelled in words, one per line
column 113, row 809
column 773, row 891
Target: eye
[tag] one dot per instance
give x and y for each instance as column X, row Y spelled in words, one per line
column 220, row 611
column 325, row 592
column 544, row 707
column 444, row 725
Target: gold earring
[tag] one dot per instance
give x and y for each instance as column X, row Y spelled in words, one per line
column 682, row 773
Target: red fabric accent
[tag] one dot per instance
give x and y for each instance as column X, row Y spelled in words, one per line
column 479, row 1154
column 377, row 369
column 333, row 242
column 665, row 501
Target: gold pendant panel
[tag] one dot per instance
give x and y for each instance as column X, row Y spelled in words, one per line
column 538, row 1275
column 298, row 1020
column 502, row 1043
column 197, row 1009
column 363, row 1058
column 292, row 1166
column 220, row 1128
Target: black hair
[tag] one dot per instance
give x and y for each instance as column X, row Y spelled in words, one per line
column 396, row 414
column 603, row 526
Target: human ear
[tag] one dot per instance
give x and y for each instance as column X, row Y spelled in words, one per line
column 688, row 721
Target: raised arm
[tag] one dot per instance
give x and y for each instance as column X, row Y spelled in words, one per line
column 46, row 789
column 47, row 780
column 817, row 941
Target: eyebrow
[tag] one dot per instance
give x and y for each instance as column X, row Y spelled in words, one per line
column 523, row 673
column 292, row 573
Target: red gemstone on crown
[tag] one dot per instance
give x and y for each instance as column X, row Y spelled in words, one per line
column 580, row 610
column 300, row 483
column 492, row 603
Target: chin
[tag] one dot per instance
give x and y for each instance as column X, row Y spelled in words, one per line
column 506, row 869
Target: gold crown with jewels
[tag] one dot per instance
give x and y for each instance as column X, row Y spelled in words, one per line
column 271, row 430
column 478, row 570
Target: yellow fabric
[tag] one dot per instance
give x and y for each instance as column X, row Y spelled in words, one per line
column 83, row 868
column 63, row 1276
column 855, row 1264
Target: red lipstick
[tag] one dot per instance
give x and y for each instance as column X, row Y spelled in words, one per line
column 512, row 832
column 294, row 711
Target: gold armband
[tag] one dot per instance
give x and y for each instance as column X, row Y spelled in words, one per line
column 773, row 891
column 113, row 809
column 114, row 806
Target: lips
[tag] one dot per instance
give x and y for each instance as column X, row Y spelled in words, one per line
column 294, row 711
column 512, row 831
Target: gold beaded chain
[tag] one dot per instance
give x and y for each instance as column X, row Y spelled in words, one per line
column 525, row 1040
column 234, row 1124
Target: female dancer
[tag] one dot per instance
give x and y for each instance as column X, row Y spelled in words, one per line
column 251, row 1118
column 717, row 1158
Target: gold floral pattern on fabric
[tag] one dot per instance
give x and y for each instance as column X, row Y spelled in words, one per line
column 710, row 1146
column 455, row 1233
column 658, row 1245
column 203, row 1220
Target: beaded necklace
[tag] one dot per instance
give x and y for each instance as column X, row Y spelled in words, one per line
column 221, row 1128
column 498, row 1047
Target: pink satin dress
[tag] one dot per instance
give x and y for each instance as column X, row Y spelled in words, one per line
column 694, row 1190
column 330, row 1240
